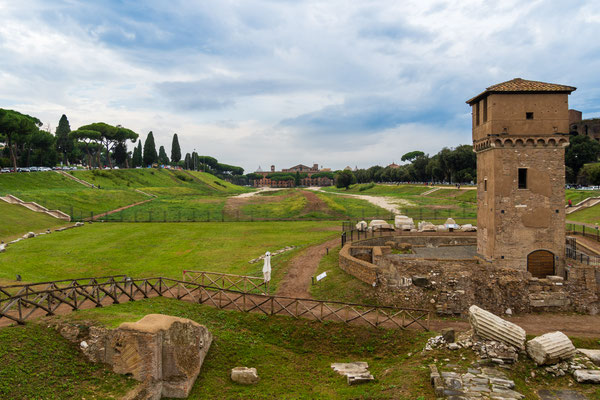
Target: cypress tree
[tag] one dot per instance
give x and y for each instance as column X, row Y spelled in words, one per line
column 162, row 156
column 188, row 162
column 64, row 144
column 149, row 156
column 175, row 150
column 137, row 155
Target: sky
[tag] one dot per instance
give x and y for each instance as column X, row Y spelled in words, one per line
column 261, row 82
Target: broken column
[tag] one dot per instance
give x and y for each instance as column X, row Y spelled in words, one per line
column 489, row 326
column 550, row 348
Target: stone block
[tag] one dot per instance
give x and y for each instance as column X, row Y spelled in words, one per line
column 593, row 355
column 489, row 326
column 356, row 372
column 550, row 348
column 244, row 375
column 420, row 281
column 449, row 335
column 28, row 235
column 587, row 375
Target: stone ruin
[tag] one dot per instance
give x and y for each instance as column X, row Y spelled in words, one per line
column 499, row 343
column 165, row 353
column 404, row 223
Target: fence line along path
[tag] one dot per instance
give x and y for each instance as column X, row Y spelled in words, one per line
column 18, row 303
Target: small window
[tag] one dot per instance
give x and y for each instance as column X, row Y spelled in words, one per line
column 529, row 115
column 485, row 185
column 477, row 113
column 522, row 178
column 485, row 110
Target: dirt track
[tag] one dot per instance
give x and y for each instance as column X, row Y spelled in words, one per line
column 297, row 281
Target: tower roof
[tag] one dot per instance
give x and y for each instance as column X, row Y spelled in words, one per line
column 519, row 85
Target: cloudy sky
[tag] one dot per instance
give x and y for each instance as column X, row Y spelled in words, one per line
column 283, row 82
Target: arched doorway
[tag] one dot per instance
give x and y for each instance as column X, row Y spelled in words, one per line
column 540, row 263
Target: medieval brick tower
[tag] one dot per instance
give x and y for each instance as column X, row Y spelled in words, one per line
column 520, row 131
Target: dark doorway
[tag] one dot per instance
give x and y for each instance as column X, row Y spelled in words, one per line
column 540, row 263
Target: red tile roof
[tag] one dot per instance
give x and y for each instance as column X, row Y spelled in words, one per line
column 519, row 85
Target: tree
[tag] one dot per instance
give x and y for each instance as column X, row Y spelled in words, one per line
column 90, row 140
column 162, row 156
column 412, row 155
column 64, row 144
column 188, row 161
column 297, row 179
column 15, row 126
column 136, row 159
column 120, row 154
column 149, row 156
column 345, row 178
column 581, row 150
column 175, row 150
column 110, row 136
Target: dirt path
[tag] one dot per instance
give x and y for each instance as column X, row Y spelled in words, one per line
column 302, row 267
column 120, row 209
column 583, row 326
column 387, row 203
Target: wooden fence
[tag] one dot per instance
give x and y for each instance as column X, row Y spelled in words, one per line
column 240, row 283
column 46, row 298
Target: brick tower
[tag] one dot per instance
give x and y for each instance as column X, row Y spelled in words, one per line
column 520, row 131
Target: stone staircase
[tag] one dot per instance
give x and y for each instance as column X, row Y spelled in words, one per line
column 586, row 203
column 33, row 206
column 84, row 183
column 435, row 189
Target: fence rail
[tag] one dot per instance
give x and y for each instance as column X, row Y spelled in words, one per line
column 582, row 229
column 94, row 292
column 241, row 283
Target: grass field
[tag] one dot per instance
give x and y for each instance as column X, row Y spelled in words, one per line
column 165, row 249
column 292, row 357
column 590, row 215
column 338, row 285
column 17, row 220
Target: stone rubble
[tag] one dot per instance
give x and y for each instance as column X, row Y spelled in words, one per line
column 487, row 383
column 244, row 375
column 593, row 355
column 404, row 223
column 361, row 226
column 489, row 326
column 356, row 372
column 550, row 348
column 274, row 253
column 587, row 376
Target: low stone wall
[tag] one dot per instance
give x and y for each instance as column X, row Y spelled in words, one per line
column 416, row 239
column 363, row 270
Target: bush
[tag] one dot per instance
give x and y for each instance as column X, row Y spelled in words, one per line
column 362, row 188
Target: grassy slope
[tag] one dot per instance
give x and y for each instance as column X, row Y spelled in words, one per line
column 17, row 220
column 292, row 356
column 159, row 249
column 38, row 363
column 590, row 215
column 338, row 285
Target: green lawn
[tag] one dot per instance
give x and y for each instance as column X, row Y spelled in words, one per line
column 339, row 285
column 578, row 195
column 590, row 215
column 287, row 205
column 382, row 190
column 17, row 220
column 161, row 249
column 38, row 363
column 181, row 208
column 35, row 181
column 353, row 208
column 292, row 356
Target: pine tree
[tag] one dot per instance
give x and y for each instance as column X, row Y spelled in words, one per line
column 64, row 144
column 149, row 156
column 162, row 156
column 137, row 155
column 175, row 150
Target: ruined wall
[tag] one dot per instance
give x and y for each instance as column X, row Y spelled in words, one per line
column 361, row 269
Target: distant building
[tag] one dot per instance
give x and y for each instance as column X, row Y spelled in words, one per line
column 586, row 127
column 393, row 165
column 306, row 179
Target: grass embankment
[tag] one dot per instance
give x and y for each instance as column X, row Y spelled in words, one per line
column 590, row 215
column 292, row 357
column 55, row 191
column 17, row 220
column 146, row 250
column 339, row 285
column 38, row 363
column 579, row 195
